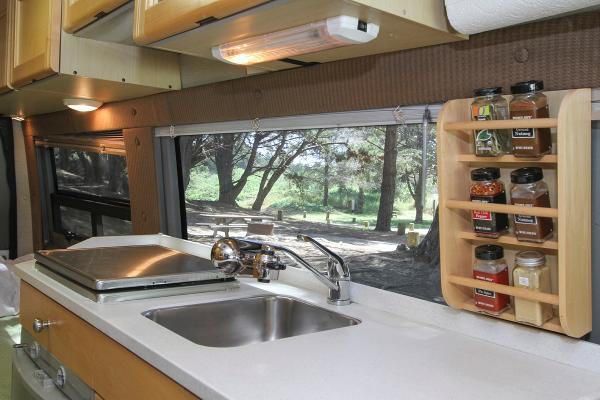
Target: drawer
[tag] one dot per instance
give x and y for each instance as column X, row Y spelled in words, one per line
column 34, row 305
column 109, row 368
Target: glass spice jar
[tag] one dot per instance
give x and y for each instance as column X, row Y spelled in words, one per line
column 490, row 266
column 528, row 190
column 486, row 188
column 529, row 102
column 531, row 272
column 489, row 104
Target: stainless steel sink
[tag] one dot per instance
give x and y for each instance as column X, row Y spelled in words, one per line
column 239, row 322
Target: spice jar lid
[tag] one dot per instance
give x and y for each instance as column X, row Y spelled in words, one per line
column 485, row 174
column 489, row 252
column 487, row 91
column 530, row 258
column 526, row 175
column 527, row 87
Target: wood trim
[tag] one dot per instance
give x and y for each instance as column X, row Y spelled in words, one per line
column 47, row 62
column 79, row 13
column 549, row 50
column 143, row 188
column 155, row 20
column 34, row 193
column 109, row 368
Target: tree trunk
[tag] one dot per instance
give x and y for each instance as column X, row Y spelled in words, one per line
column 419, row 200
column 388, row 180
column 360, row 203
column 326, row 185
column 429, row 248
column 224, row 164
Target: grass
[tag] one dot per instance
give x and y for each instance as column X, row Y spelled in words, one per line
column 286, row 196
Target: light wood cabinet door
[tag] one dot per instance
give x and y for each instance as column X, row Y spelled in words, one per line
column 158, row 19
column 79, row 13
column 107, row 367
column 36, row 43
column 5, row 46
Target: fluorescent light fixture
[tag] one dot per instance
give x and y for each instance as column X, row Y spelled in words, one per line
column 82, row 105
column 17, row 118
column 327, row 34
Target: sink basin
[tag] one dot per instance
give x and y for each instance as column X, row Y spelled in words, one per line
column 239, row 322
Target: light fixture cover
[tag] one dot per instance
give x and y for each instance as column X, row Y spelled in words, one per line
column 82, row 105
column 333, row 32
column 18, row 118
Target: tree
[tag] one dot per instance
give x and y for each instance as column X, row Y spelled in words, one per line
column 290, row 145
column 410, row 166
column 388, row 180
column 193, row 150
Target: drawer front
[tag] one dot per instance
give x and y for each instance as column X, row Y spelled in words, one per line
column 109, row 368
column 34, row 305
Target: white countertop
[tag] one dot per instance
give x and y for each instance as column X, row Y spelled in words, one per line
column 387, row 356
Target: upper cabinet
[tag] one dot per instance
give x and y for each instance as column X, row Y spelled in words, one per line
column 158, row 19
column 36, row 41
column 402, row 24
column 5, row 44
column 79, row 13
column 48, row 65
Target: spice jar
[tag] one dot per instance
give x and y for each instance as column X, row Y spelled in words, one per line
column 489, row 104
column 529, row 102
column 486, row 188
column 528, row 190
column 490, row 266
column 531, row 272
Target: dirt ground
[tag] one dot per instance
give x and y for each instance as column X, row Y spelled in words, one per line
column 373, row 257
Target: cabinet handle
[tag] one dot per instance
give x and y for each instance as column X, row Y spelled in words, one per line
column 39, row 325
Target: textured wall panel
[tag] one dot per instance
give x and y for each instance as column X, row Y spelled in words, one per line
column 564, row 52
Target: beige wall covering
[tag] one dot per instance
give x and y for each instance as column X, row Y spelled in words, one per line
column 24, row 233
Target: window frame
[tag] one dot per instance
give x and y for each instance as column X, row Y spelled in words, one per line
column 53, row 197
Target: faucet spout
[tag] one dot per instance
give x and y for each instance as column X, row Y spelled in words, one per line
column 234, row 255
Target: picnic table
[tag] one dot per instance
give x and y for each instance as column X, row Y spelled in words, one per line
column 224, row 222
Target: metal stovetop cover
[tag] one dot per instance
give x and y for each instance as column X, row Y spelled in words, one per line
column 105, row 268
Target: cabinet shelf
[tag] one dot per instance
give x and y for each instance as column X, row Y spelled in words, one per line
column 547, row 161
column 568, row 176
column 501, row 124
column 553, row 325
column 509, row 240
column 502, row 208
column 521, row 293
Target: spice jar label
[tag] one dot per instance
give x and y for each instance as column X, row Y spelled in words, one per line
column 528, row 227
column 486, row 221
column 487, row 299
column 523, row 281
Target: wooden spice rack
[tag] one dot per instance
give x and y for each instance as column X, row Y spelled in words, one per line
column 568, row 174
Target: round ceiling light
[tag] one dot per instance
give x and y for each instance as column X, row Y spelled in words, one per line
column 82, row 105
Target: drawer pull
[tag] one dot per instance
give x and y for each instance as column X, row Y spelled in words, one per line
column 39, row 325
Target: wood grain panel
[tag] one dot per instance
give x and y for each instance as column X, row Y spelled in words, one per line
column 5, row 47
column 79, row 13
column 110, row 369
column 33, row 305
column 562, row 52
column 34, row 193
column 158, row 19
column 143, row 189
column 36, row 32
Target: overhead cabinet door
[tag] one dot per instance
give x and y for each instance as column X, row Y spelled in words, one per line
column 4, row 47
column 36, row 40
column 79, row 13
column 159, row 19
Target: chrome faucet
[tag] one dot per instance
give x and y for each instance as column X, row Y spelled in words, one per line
column 233, row 256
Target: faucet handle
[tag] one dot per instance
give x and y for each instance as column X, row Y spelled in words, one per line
column 226, row 256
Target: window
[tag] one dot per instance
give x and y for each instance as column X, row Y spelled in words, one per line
column 356, row 189
column 85, row 186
